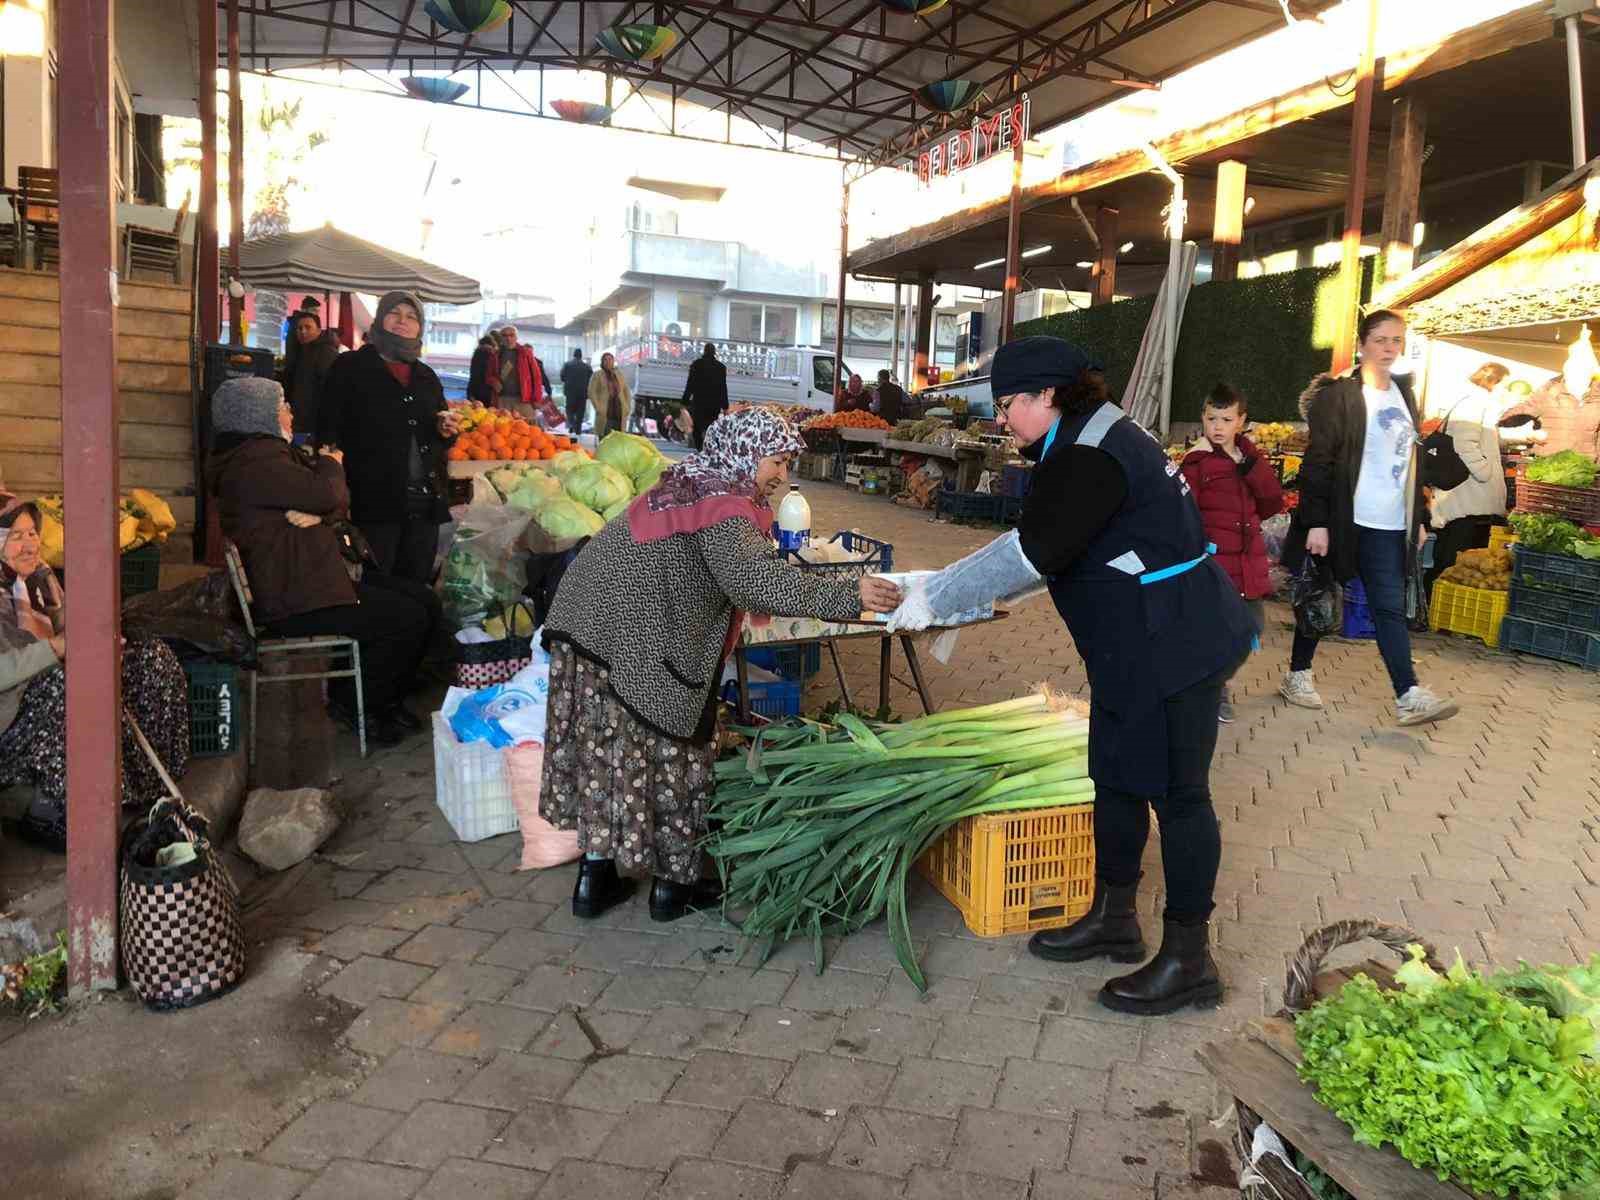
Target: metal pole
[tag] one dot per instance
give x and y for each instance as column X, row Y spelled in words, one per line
column 894, row 336
column 1008, row 299
column 1580, row 151
column 1170, row 322
column 235, row 176
column 1344, row 340
column 839, row 312
column 89, row 474
column 206, row 229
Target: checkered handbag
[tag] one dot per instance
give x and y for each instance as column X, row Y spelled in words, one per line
column 182, row 937
column 484, row 664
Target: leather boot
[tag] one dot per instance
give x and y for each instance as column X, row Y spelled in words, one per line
column 599, row 888
column 669, row 901
column 1181, row 973
column 1110, row 929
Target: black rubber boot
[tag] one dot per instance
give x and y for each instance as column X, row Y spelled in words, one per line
column 599, row 888
column 1110, row 929
column 1181, row 973
column 669, row 901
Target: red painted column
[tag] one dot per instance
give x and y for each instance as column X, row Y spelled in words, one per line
column 235, row 174
column 89, row 473
column 206, row 228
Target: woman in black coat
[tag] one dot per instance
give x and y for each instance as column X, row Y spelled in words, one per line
column 386, row 410
column 1361, row 508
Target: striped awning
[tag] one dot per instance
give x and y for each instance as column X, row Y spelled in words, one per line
column 330, row 260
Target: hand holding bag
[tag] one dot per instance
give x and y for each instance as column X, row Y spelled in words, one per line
column 1318, row 599
column 182, row 937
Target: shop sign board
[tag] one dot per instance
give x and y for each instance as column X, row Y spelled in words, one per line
column 960, row 149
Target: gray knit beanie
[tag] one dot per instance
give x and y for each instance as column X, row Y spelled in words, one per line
column 248, row 404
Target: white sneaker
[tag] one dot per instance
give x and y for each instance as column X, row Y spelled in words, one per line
column 1419, row 706
column 1300, row 689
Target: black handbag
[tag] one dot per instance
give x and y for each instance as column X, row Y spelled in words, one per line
column 1441, row 467
column 1318, row 599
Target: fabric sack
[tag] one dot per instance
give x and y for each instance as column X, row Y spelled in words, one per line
column 543, row 845
column 1318, row 599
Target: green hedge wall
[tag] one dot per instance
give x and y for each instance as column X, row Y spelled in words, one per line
column 1267, row 336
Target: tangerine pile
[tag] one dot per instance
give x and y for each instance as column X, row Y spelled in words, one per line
column 506, row 438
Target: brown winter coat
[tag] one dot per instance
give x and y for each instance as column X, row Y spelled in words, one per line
column 291, row 571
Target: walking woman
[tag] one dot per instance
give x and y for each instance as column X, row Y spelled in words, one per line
column 1110, row 528
column 1361, row 507
column 385, row 409
column 638, row 633
column 1466, row 513
column 609, row 394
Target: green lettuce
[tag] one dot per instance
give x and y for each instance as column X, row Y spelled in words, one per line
column 597, row 486
column 1567, row 469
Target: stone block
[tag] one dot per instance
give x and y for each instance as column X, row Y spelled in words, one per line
column 1116, row 1148
column 484, row 1030
column 368, row 978
column 697, row 1179
column 684, row 1032
column 980, row 1039
column 888, row 1142
column 514, row 1081
column 616, row 1083
column 329, row 1129
column 942, row 1088
column 884, row 1035
column 813, row 1182
column 1035, row 1087
column 1011, row 1145
column 574, row 1179
column 436, row 1131
column 543, row 1134
column 827, row 1081
column 656, row 1135
column 235, row 1177
column 410, row 1076
column 776, row 1138
column 788, row 1032
column 460, row 1177
column 364, row 1181
column 282, row 828
column 718, row 1079
column 927, row 1183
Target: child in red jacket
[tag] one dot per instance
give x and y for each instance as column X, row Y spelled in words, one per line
column 1236, row 489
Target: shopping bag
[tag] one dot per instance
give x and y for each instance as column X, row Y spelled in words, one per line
column 484, row 664
column 182, row 937
column 1318, row 599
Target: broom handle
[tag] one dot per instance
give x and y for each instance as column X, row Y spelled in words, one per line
column 155, row 759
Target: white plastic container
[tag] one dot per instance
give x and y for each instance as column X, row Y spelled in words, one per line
column 794, row 521
column 471, row 786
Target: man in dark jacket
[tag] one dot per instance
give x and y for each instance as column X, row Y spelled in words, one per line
column 575, row 378
column 707, row 393
column 306, row 369
column 483, row 384
column 891, row 400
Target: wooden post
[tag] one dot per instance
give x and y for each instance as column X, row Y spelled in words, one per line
column 1344, row 337
column 1104, row 272
column 839, row 313
column 1008, row 299
column 235, row 176
column 1227, row 224
column 89, row 475
column 206, row 228
column 924, row 353
column 1402, row 186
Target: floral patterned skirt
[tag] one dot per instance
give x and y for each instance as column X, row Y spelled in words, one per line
column 632, row 794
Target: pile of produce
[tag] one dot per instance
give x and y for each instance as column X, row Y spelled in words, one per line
column 142, row 518
column 1492, row 1083
column 1567, row 469
column 490, row 434
column 847, row 420
column 1553, row 535
column 572, row 496
column 1487, row 569
column 924, row 430
column 1273, row 435
column 821, row 824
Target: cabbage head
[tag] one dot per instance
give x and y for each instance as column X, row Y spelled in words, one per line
column 565, row 519
column 628, row 453
column 642, row 483
column 534, row 490
column 616, row 510
column 567, row 460
column 597, row 486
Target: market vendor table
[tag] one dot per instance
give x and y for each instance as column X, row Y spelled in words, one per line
column 829, row 633
column 874, row 437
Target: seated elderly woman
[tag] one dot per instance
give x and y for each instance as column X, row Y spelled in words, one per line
column 287, row 511
column 33, row 688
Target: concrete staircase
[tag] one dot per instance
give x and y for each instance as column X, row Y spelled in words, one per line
column 157, row 439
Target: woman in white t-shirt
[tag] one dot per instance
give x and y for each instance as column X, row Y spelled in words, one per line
column 1361, row 507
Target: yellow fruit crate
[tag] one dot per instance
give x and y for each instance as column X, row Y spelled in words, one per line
column 1475, row 611
column 1016, row 872
column 1501, row 536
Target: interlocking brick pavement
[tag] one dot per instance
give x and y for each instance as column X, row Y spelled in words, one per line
column 517, row 1052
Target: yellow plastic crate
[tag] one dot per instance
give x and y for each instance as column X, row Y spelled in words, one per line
column 1016, row 872
column 1475, row 611
column 1501, row 536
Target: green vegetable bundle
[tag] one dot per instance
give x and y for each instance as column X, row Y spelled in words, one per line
column 820, row 825
column 1464, row 1078
column 1545, row 534
column 1567, row 469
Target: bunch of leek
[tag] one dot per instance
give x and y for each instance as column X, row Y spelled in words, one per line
column 818, row 826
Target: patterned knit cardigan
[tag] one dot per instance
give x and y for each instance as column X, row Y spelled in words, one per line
column 656, row 615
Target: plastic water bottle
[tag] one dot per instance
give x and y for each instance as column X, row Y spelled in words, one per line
column 794, row 521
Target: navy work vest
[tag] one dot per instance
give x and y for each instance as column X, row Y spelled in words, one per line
column 1150, row 610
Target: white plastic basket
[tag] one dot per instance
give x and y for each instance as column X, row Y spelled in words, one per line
column 471, row 786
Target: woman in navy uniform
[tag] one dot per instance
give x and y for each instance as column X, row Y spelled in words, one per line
column 1109, row 527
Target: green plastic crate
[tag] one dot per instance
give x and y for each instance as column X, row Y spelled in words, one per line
column 216, row 714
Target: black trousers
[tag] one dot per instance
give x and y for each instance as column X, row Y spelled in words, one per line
column 702, row 422
column 1191, row 843
column 392, row 620
column 405, row 549
column 576, row 411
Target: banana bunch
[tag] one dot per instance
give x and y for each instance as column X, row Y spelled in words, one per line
column 142, row 518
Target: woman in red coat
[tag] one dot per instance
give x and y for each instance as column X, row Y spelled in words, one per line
column 1236, row 489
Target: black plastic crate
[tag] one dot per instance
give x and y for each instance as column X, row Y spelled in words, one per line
column 1555, row 608
column 215, row 713
column 789, row 662
column 878, row 560
column 972, row 506
column 141, row 570
column 1556, row 572
column 1551, row 641
column 1015, row 480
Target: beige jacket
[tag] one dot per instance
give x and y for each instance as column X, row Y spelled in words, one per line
column 19, row 668
column 600, row 399
column 1471, row 424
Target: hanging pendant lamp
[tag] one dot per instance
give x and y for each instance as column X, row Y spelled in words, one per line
column 915, row 8
column 469, row 16
column 581, row 111
column 436, row 89
column 638, row 43
column 948, row 95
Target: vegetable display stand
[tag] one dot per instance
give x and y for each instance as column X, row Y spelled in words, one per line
column 1258, row 1068
column 1476, row 612
column 1358, row 621
column 1012, row 873
column 1578, row 504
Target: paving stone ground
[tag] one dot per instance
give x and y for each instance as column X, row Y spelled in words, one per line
column 516, row 1052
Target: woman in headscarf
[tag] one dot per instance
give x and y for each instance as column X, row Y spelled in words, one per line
column 33, row 688
column 633, row 680
column 386, row 410
column 608, row 392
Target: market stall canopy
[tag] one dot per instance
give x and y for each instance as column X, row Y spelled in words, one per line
column 330, row 260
